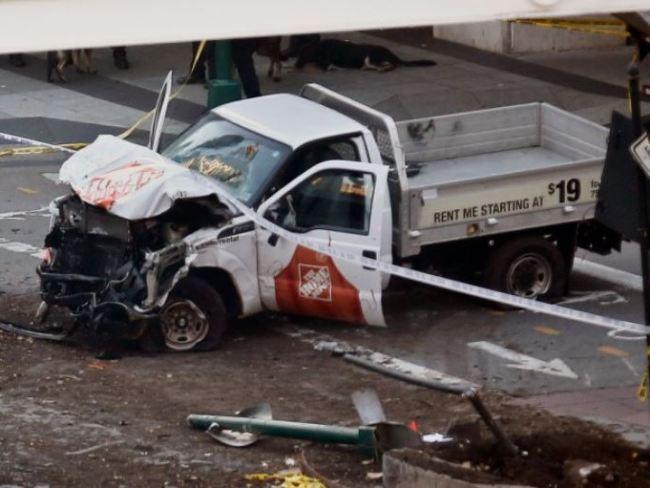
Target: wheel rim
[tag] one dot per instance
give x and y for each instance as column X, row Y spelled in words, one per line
column 529, row 276
column 183, row 325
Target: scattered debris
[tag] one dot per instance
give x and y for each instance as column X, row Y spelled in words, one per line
column 436, row 438
column 288, row 478
column 94, row 448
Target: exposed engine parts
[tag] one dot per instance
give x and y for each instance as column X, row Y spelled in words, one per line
column 113, row 274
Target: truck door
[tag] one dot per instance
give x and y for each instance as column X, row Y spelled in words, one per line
column 345, row 204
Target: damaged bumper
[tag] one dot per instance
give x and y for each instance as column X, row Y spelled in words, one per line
column 103, row 270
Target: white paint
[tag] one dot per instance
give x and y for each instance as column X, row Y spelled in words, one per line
column 605, row 297
column 20, row 247
column 54, row 177
column 103, row 23
column 19, row 215
column 324, row 342
column 628, row 364
column 436, row 438
column 555, row 367
column 606, row 273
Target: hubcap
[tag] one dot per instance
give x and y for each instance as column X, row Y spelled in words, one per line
column 183, row 325
column 529, row 276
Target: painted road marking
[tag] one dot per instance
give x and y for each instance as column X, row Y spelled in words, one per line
column 29, row 191
column 54, row 177
column 554, row 367
column 20, row 215
column 20, row 247
column 324, row 342
column 606, row 273
column 543, row 329
column 603, row 297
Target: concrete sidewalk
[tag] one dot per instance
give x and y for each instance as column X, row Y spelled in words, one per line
column 616, row 408
column 464, row 79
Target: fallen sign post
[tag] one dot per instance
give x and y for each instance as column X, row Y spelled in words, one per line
column 246, row 427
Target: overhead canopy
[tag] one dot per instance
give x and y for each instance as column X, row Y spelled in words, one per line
column 38, row 25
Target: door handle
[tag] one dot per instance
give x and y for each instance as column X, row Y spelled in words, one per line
column 367, row 253
column 273, row 239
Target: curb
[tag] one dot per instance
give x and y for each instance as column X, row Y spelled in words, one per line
column 407, row 468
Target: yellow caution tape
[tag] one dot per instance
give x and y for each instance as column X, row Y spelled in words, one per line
column 644, row 386
column 290, row 479
column 642, row 392
column 195, row 61
column 33, row 150
column 604, row 27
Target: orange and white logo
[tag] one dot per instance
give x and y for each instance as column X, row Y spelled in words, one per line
column 106, row 189
column 312, row 285
column 315, row 282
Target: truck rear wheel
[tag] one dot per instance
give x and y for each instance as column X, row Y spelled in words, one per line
column 529, row 267
column 193, row 319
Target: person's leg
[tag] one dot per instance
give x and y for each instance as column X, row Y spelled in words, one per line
column 198, row 75
column 242, row 57
column 16, row 60
column 119, row 58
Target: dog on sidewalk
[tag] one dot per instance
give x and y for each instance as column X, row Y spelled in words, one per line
column 333, row 53
column 81, row 59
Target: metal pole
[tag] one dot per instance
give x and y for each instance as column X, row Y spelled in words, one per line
column 644, row 241
column 463, row 390
column 223, row 88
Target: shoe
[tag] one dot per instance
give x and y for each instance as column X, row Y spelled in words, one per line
column 16, row 60
column 121, row 62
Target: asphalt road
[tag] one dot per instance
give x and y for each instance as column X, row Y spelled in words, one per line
column 517, row 351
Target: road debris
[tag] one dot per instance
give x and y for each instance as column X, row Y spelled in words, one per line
column 287, row 479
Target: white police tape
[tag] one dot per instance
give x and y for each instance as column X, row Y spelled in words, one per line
column 616, row 327
column 25, row 140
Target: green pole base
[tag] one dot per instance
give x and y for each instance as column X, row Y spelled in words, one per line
column 222, row 91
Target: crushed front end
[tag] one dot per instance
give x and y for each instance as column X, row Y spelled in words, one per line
column 114, row 274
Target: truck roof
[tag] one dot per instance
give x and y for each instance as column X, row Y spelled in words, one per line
column 289, row 119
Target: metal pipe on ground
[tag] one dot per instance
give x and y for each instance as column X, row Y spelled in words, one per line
column 466, row 392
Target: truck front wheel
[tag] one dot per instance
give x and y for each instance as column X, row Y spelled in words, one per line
column 193, row 319
column 529, row 267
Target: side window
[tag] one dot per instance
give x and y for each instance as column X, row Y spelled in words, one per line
column 339, row 200
column 342, row 149
column 346, row 150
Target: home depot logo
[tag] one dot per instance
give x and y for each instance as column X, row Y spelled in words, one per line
column 315, row 282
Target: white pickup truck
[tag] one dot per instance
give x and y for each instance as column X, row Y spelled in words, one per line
column 147, row 246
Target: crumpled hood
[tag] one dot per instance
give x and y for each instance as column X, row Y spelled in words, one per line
column 132, row 181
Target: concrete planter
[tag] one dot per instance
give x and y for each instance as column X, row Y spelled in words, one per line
column 407, row 468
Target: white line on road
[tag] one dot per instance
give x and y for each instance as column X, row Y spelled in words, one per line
column 20, row 215
column 323, row 342
column 606, row 273
column 630, row 366
column 605, row 297
column 554, row 367
column 20, row 247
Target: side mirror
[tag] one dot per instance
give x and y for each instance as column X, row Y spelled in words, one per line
column 272, row 213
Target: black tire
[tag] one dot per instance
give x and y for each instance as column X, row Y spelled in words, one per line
column 192, row 298
column 527, row 266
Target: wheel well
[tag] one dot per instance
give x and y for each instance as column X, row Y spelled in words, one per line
column 477, row 251
column 221, row 281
